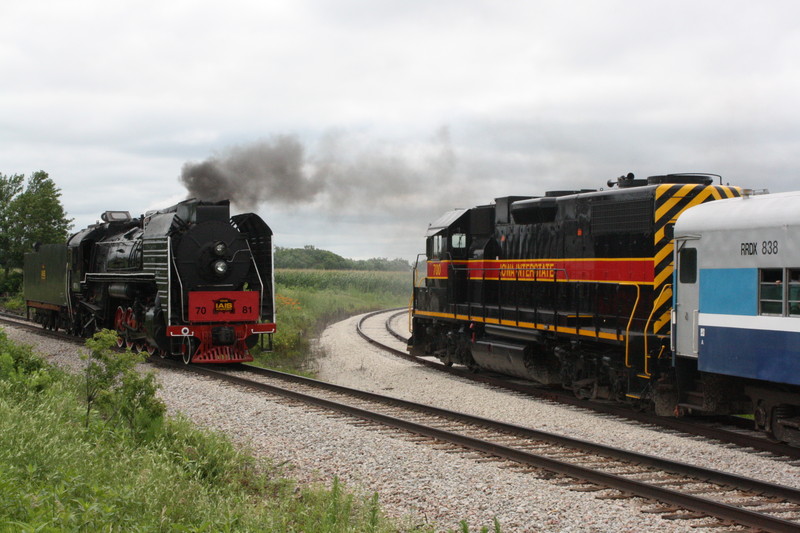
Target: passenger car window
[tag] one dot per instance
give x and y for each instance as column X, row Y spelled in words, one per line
column 687, row 265
column 770, row 300
column 794, row 291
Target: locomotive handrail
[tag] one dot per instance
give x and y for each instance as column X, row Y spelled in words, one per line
column 416, row 268
column 67, row 283
column 180, row 282
column 630, row 321
column 260, row 281
column 107, row 276
column 656, row 304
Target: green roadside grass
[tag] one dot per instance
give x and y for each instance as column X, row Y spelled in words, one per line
column 95, row 452
column 308, row 300
column 64, row 467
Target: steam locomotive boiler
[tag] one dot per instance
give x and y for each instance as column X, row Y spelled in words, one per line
column 188, row 281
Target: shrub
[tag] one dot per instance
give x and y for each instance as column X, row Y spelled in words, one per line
column 22, row 370
column 120, row 393
column 10, row 284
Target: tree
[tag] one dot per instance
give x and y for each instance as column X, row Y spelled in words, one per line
column 311, row 257
column 34, row 214
column 10, row 187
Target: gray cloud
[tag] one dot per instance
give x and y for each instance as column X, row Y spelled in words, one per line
column 535, row 95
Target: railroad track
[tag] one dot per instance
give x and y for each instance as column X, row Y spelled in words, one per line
column 682, row 491
column 727, row 431
column 678, row 490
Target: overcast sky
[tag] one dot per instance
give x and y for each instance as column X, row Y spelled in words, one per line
column 351, row 124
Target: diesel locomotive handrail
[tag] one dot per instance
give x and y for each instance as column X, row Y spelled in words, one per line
column 656, row 303
column 630, row 321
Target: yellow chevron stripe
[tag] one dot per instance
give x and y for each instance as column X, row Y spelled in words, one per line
column 661, row 322
column 701, row 198
column 663, row 253
column 667, row 206
column 663, row 277
column 732, row 192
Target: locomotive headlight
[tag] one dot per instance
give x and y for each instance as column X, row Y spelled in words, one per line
column 220, row 267
column 220, row 248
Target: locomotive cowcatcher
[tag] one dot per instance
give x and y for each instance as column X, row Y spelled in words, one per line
column 188, row 281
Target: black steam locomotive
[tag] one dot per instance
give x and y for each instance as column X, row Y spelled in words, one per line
column 188, row 281
column 573, row 288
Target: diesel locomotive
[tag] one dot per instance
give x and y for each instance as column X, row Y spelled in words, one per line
column 189, row 281
column 577, row 289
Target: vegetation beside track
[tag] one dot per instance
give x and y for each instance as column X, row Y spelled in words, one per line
column 309, row 300
column 95, row 453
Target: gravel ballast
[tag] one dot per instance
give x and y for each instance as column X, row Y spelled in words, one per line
column 420, row 484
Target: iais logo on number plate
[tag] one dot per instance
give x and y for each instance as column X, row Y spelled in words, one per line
column 224, row 305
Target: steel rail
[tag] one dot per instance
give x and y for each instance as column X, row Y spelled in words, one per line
column 689, row 427
column 686, row 501
column 711, row 475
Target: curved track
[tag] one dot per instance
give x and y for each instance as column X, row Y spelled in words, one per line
column 682, row 490
column 723, row 431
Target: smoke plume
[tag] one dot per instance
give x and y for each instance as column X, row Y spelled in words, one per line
column 252, row 175
column 346, row 174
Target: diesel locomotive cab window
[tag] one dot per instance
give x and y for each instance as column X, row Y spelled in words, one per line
column 458, row 240
column 688, row 265
column 771, row 293
column 437, row 247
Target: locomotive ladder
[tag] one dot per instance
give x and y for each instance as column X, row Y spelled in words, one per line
column 155, row 257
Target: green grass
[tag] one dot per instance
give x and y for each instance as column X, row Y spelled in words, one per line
column 308, row 300
column 64, row 467
column 59, row 474
column 13, row 304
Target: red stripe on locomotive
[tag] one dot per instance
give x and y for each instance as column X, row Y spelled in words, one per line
column 438, row 269
column 637, row 270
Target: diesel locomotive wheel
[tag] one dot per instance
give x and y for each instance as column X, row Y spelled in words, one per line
column 777, row 430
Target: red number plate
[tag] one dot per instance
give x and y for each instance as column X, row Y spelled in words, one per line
column 224, row 306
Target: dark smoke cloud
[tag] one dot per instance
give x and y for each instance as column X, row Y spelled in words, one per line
column 348, row 174
column 254, row 174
